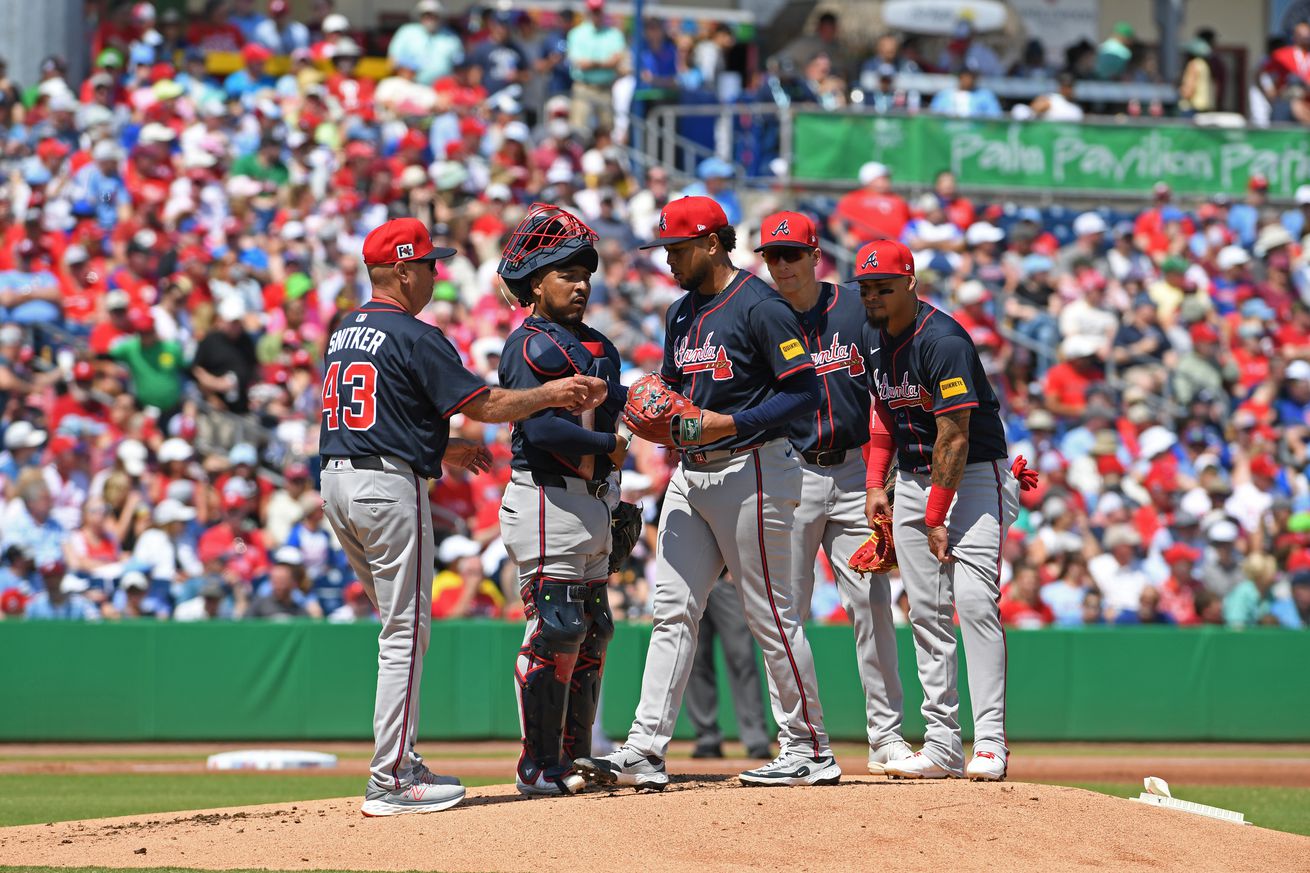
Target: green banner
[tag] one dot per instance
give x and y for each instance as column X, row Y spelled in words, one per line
column 305, row 681
column 1052, row 156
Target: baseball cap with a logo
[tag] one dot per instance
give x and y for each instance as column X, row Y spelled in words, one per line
column 688, row 218
column 402, row 239
column 789, row 229
column 882, row 259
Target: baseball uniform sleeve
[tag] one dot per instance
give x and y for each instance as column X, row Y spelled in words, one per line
column 777, row 334
column 669, row 371
column 949, row 374
column 440, row 375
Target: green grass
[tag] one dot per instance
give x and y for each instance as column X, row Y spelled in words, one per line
column 40, row 798
column 1282, row 809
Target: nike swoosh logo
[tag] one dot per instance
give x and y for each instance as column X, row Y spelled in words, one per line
column 877, row 349
column 680, row 320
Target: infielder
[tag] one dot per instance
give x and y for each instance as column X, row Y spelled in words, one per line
column 390, row 384
column 555, row 519
column 955, row 498
column 734, row 348
column 830, row 441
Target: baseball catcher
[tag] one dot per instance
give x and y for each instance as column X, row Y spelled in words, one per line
column 556, row 514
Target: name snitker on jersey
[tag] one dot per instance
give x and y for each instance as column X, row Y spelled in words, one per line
column 364, row 339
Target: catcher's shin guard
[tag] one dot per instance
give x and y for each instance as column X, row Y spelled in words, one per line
column 545, row 670
column 584, row 691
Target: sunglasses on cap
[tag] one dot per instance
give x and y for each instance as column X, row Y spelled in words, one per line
column 790, row 254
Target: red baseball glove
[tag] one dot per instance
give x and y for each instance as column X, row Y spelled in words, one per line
column 661, row 415
column 878, row 553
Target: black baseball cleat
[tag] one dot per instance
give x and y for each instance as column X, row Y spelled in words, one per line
column 709, row 750
column 624, row 767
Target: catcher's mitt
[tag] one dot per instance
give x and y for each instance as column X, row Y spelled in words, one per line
column 661, row 415
column 625, row 530
column 878, row 552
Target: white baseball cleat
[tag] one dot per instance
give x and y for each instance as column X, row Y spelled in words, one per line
column 987, row 767
column 886, row 753
column 543, row 786
column 795, row 768
column 419, row 797
column 916, row 766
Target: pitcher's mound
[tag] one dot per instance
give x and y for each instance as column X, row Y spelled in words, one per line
column 701, row 823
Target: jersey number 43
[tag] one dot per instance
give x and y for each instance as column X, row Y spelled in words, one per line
column 360, row 411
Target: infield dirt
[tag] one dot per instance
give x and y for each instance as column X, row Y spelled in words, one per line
column 704, row 822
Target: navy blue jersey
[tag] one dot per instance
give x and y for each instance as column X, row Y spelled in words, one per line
column 727, row 352
column 540, row 351
column 931, row 369
column 390, row 384
column 833, row 332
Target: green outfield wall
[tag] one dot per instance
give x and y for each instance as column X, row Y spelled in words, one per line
column 1052, row 156
column 304, row 681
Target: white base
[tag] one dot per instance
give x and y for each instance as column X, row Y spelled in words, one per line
column 270, row 759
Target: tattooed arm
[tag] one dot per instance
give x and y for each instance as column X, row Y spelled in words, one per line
column 949, row 455
column 951, row 451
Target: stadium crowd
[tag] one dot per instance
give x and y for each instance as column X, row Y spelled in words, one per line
column 177, row 244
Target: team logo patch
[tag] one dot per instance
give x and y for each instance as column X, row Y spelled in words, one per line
column 952, row 387
column 783, row 229
column 791, row 348
column 404, row 250
column 708, row 358
column 839, row 356
column 871, row 262
column 905, row 394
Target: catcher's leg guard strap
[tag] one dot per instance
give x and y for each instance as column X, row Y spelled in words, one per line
column 545, row 668
column 584, row 692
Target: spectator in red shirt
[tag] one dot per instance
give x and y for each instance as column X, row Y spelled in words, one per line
column 1021, row 604
column 1293, row 61
column 212, row 32
column 959, row 210
column 116, row 324
column 870, row 211
column 1178, row 593
column 353, row 92
column 1066, row 384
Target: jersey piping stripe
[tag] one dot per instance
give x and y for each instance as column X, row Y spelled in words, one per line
column 536, row 369
column 458, row 406
column 413, row 639
column 734, row 287
column 562, row 350
column 768, row 588
column 808, row 365
column 1005, row 647
column 970, row 405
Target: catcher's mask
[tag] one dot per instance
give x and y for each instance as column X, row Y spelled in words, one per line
column 547, row 236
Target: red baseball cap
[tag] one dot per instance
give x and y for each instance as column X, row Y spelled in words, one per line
column 12, row 602
column 62, row 443
column 882, row 259
column 141, row 320
column 1180, row 552
column 253, row 52
column 1257, row 182
column 232, row 500
column 83, row 371
column 688, row 218
column 789, row 229
column 1264, row 465
column 1203, row 333
column 402, row 239
column 301, row 358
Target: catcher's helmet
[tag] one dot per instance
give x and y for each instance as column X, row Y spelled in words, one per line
column 547, row 236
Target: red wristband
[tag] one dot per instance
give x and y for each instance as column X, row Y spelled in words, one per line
column 939, row 503
column 877, row 458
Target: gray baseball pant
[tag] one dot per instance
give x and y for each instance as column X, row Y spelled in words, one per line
column 736, row 511
column 383, row 520
column 831, row 517
column 985, row 505
column 725, row 619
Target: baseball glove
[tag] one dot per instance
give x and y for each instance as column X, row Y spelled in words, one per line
column 878, row 552
column 661, row 415
column 625, row 530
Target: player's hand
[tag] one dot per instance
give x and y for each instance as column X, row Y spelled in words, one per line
column 468, row 455
column 875, row 504
column 939, row 544
column 620, row 453
column 597, row 391
column 570, row 393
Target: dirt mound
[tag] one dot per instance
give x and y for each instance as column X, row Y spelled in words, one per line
column 697, row 823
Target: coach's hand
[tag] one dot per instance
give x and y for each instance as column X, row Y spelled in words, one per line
column 570, row 393
column 875, row 504
column 939, row 544
column 597, row 391
column 468, row 455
